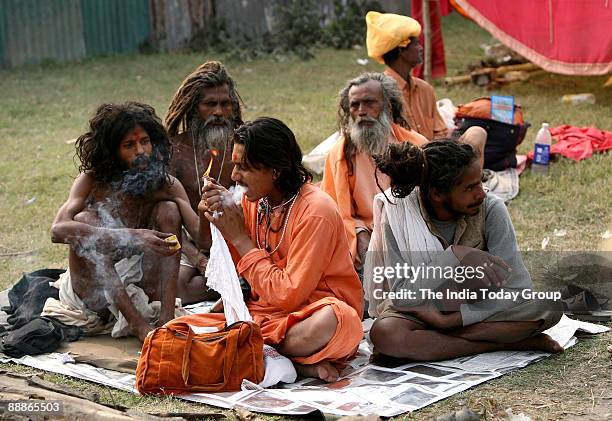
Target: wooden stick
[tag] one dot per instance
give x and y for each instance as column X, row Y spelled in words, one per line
column 427, row 37
column 527, row 67
column 71, row 407
column 17, row 253
column 453, row 80
column 499, row 71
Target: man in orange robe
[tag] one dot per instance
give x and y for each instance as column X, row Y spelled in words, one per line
column 288, row 243
column 371, row 116
column 393, row 40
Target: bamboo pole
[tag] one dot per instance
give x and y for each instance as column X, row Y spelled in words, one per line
column 527, row 67
column 427, row 38
column 494, row 71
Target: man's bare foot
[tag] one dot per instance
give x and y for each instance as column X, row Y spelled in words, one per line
column 217, row 307
column 323, row 370
column 142, row 332
column 542, row 342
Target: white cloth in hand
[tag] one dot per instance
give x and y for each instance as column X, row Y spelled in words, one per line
column 222, row 277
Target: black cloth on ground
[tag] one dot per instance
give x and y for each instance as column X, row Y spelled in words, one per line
column 39, row 336
column 27, row 297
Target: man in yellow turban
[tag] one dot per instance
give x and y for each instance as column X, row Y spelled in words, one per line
column 393, row 40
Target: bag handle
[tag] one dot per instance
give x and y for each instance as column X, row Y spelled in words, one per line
column 231, row 350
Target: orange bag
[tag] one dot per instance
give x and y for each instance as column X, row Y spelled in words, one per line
column 481, row 108
column 176, row 360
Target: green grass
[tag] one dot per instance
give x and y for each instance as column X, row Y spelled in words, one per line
column 43, row 107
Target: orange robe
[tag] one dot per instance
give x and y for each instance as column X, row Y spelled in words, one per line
column 354, row 193
column 311, row 269
column 420, row 109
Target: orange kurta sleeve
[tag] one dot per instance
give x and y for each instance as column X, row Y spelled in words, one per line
column 336, row 182
column 420, row 109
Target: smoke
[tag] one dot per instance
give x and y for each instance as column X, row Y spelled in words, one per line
column 235, row 194
column 230, row 197
column 105, row 215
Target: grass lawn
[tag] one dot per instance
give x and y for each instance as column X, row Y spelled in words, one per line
column 43, row 107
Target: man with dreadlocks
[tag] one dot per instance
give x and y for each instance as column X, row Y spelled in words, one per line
column 444, row 274
column 369, row 118
column 201, row 119
column 118, row 219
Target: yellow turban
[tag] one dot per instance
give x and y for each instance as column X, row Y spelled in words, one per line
column 387, row 31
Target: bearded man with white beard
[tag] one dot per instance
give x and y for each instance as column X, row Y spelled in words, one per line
column 370, row 116
column 201, row 120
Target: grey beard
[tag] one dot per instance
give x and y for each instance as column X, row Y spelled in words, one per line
column 372, row 139
column 208, row 136
column 137, row 182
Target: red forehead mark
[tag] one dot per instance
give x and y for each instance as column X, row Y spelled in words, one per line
column 137, row 133
column 234, row 157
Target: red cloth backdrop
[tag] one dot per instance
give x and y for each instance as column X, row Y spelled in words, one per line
column 438, row 63
column 572, row 37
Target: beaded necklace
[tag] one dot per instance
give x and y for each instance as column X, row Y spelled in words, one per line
column 263, row 211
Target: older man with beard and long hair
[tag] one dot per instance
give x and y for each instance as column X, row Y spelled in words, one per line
column 118, row 218
column 201, row 120
column 370, row 117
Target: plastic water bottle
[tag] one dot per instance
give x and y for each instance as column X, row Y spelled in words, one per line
column 541, row 151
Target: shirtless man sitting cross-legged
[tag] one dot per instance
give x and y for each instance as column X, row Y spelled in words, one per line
column 122, row 208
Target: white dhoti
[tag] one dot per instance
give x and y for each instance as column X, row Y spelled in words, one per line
column 71, row 310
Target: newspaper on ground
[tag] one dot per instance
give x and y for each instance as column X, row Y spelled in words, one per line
column 364, row 388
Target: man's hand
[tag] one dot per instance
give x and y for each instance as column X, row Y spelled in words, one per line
column 227, row 216
column 154, row 242
column 212, row 196
column 496, row 270
column 363, row 241
column 429, row 314
column 201, row 262
column 230, row 221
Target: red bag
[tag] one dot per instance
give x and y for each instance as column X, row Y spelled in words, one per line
column 176, row 360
